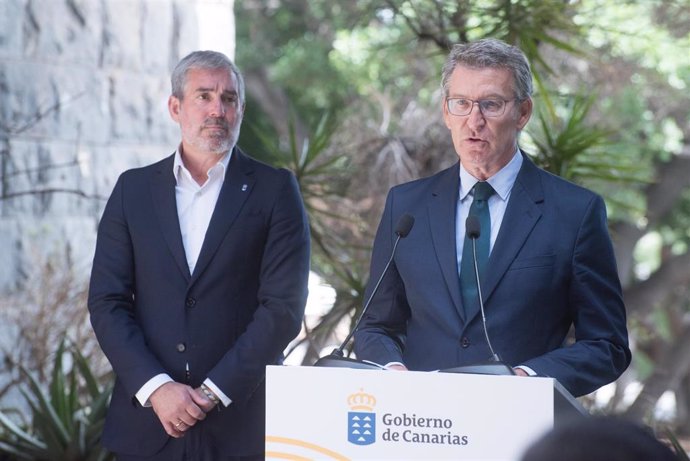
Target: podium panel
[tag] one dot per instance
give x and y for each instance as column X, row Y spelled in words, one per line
column 348, row 414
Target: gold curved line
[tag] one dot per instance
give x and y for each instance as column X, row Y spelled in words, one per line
column 276, row 455
column 303, row 444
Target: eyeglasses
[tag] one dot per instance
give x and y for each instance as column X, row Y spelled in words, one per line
column 488, row 107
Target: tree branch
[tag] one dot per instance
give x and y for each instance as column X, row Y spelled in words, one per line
column 51, row 190
column 673, row 366
column 642, row 297
column 672, row 178
column 275, row 103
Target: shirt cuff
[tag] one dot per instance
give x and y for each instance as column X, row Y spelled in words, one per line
column 224, row 399
column 527, row 370
column 150, row 387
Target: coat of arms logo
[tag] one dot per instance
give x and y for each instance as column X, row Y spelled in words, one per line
column 361, row 419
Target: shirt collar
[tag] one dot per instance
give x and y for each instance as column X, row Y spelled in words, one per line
column 178, row 165
column 502, row 182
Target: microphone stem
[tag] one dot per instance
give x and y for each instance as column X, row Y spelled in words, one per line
column 494, row 356
column 339, row 350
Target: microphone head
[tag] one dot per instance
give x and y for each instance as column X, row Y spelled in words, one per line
column 404, row 225
column 472, row 227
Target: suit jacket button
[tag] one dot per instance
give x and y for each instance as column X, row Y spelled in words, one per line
column 181, row 347
column 190, row 302
column 465, row 342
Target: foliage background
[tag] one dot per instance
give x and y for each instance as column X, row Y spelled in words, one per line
column 346, row 94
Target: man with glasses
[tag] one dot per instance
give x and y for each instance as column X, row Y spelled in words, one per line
column 539, row 244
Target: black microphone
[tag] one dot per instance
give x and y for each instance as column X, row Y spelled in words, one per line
column 336, row 358
column 473, row 230
column 494, row 366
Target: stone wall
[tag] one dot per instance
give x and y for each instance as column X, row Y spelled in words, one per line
column 83, row 96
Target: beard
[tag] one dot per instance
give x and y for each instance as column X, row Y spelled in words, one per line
column 220, row 139
column 219, row 144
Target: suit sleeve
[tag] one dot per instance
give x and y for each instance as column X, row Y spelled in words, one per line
column 600, row 352
column 382, row 333
column 282, row 297
column 111, row 299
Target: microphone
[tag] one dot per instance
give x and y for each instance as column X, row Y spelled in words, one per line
column 494, row 366
column 473, row 230
column 337, row 358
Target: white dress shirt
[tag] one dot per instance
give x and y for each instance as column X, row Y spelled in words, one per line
column 195, row 205
column 502, row 182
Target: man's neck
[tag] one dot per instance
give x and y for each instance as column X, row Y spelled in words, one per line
column 198, row 164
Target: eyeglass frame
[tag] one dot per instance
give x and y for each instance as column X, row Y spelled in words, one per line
column 479, row 102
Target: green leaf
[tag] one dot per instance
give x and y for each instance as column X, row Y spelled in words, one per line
column 19, row 453
column 21, row 434
column 85, row 371
column 677, row 447
column 53, row 422
column 62, row 427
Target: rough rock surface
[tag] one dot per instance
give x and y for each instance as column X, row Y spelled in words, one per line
column 83, row 96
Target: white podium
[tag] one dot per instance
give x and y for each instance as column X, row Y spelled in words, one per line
column 348, row 414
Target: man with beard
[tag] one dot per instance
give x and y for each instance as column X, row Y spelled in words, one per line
column 199, row 281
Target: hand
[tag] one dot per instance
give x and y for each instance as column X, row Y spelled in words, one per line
column 396, row 367
column 205, row 403
column 178, row 407
column 520, row 372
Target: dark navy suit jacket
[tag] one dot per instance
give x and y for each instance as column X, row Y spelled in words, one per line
column 234, row 315
column 552, row 266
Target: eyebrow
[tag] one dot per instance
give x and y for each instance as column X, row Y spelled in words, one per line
column 488, row 96
column 211, row 90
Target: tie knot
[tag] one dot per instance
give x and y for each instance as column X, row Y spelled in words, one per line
column 483, row 190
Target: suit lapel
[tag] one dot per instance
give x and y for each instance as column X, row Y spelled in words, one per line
column 165, row 206
column 442, row 210
column 237, row 186
column 522, row 213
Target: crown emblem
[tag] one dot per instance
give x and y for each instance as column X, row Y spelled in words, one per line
column 361, row 401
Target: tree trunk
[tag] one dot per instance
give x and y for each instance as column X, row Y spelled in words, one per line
column 672, row 367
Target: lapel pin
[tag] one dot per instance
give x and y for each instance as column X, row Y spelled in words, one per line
column 244, row 187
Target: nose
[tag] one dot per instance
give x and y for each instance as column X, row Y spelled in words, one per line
column 475, row 119
column 217, row 108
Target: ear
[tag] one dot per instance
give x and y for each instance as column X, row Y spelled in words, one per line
column 446, row 115
column 525, row 111
column 174, row 108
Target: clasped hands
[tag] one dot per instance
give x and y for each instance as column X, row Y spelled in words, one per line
column 179, row 407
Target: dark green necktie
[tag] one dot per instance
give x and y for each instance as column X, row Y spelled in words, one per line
column 468, row 281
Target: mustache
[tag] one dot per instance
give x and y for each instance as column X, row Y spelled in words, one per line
column 215, row 122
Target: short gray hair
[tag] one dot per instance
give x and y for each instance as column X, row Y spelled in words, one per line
column 211, row 60
column 490, row 53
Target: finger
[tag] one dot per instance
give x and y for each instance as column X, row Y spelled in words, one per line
column 185, row 422
column 207, row 406
column 172, row 431
column 195, row 412
column 202, row 401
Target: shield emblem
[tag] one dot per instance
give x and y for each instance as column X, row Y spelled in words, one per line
column 361, row 428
